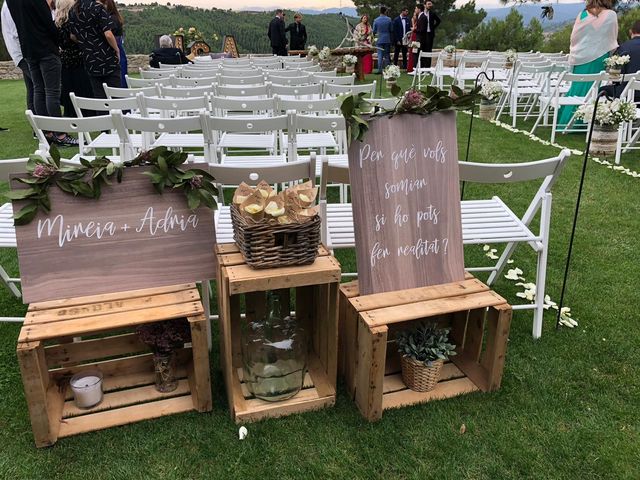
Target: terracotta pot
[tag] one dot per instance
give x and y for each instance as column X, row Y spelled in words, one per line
column 604, row 140
column 487, row 110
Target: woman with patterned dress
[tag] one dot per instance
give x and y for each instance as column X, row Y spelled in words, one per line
column 363, row 36
column 73, row 75
column 412, row 38
column 112, row 9
column 594, row 36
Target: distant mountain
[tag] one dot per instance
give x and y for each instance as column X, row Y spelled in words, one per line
column 349, row 11
column 563, row 13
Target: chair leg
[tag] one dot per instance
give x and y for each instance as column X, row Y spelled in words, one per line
column 619, row 144
column 554, row 125
column 4, row 276
column 502, row 261
column 541, row 270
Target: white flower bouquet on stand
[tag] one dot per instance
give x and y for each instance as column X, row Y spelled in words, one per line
column 349, row 62
column 312, row 53
column 324, row 54
column 608, row 117
column 415, row 46
column 510, row 56
column 449, row 49
column 615, row 63
column 391, row 74
column 490, row 93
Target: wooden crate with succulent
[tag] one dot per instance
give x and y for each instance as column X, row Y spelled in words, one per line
column 413, row 346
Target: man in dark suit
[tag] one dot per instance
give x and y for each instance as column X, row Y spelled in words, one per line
column 401, row 27
column 298, row 33
column 632, row 48
column 277, row 34
column 428, row 21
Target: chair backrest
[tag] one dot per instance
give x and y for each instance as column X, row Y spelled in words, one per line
column 246, row 125
column 242, row 61
column 332, row 89
column 173, row 107
column 238, row 91
column 322, row 75
column 117, row 92
column 184, row 92
column 200, row 73
column 330, row 105
column 345, row 80
column 310, row 68
column 241, row 80
column 294, row 60
column 102, row 104
column 167, row 66
column 149, row 82
column 10, row 166
column 276, row 174
column 79, row 126
column 304, row 79
column 194, row 81
column 287, row 73
column 297, row 91
column 239, row 72
column 388, row 103
column 221, row 106
column 155, row 73
column 274, row 60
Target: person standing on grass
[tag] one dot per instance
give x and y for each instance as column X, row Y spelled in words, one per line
column 632, row 48
column 428, row 21
column 593, row 38
column 298, row 33
column 38, row 37
column 277, row 35
column 383, row 28
column 93, row 29
column 112, row 9
column 12, row 42
column 401, row 34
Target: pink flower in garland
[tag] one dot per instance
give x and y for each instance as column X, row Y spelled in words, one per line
column 42, row 170
column 196, row 181
column 412, row 99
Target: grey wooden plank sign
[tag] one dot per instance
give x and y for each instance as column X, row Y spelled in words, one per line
column 131, row 238
column 406, row 203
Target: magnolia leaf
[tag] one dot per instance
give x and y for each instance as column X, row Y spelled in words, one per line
column 193, row 199
column 85, row 162
column 82, row 189
column 25, row 214
column 31, row 180
column 64, row 186
column 55, row 155
column 45, row 203
column 111, row 168
column 395, row 90
column 21, row 194
column 162, row 165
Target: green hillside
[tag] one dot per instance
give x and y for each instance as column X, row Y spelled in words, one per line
column 248, row 28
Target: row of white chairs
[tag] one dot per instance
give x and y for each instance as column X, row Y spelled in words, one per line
column 483, row 220
column 311, row 91
column 192, row 72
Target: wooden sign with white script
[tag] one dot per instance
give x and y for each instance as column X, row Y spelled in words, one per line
column 406, row 203
column 130, row 238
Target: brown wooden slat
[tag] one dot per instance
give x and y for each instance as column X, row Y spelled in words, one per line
column 126, row 397
column 94, row 349
column 372, row 347
column 83, row 326
column 443, row 390
column 108, row 297
column 125, row 415
column 233, row 257
column 97, row 311
column 422, row 294
column 305, row 401
column 414, row 311
column 244, row 279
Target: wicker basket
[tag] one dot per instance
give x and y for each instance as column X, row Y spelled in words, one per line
column 267, row 246
column 418, row 377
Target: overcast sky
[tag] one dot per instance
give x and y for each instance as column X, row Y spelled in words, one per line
column 295, row 4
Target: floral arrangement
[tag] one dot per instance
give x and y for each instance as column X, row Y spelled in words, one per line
column 449, row 49
column 610, row 112
column 88, row 178
column 349, row 60
column 263, row 204
column 491, row 91
column 414, row 44
column 391, row 72
column 359, row 37
column 511, row 55
column 313, row 51
column 165, row 337
column 325, row 53
column 426, row 343
column 420, row 102
column 192, row 34
column 616, row 62
column 179, row 31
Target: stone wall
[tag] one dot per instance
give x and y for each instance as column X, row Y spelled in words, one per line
column 8, row 71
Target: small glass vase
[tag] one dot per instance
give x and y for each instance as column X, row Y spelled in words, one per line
column 274, row 351
column 164, row 364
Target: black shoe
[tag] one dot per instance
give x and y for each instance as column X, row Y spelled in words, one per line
column 66, row 141
column 4, row 129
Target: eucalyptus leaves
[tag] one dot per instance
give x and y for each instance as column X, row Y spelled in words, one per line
column 88, row 179
column 425, row 343
column 420, row 102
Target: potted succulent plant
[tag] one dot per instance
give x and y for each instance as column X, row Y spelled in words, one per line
column 609, row 115
column 424, row 350
column 164, row 338
column 490, row 93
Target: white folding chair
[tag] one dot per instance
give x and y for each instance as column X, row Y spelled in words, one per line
column 343, row 80
column 241, row 80
column 250, row 91
column 80, row 126
column 117, row 92
column 186, row 92
column 200, row 72
column 149, row 82
column 332, row 89
column 307, row 92
column 194, row 82
column 420, row 73
column 291, row 81
column 629, row 132
column 157, row 73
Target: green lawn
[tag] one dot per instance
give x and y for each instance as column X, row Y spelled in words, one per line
column 568, row 407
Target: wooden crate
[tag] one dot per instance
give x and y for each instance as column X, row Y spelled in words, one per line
column 316, row 305
column 49, row 356
column 369, row 359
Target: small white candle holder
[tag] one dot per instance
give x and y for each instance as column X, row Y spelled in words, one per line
column 87, row 388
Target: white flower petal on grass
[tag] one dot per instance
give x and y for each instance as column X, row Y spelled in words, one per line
column 486, row 248
column 509, row 261
column 521, row 294
column 242, row 433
